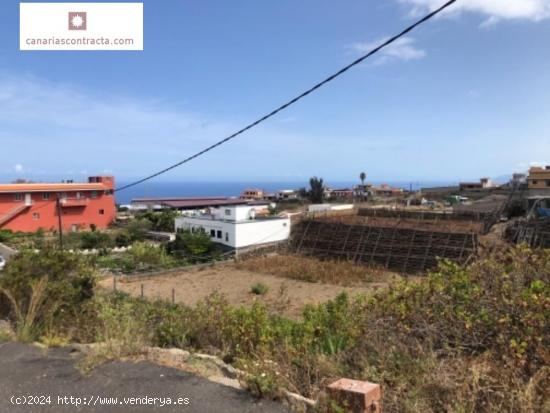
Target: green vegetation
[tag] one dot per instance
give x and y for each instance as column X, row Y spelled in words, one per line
column 140, row 257
column 195, row 243
column 316, row 193
column 259, row 289
column 466, row 340
column 46, row 290
column 161, row 221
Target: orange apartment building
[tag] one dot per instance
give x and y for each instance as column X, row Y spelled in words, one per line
column 28, row 207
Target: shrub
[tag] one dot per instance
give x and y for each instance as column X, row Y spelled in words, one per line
column 194, row 242
column 137, row 229
column 122, row 240
column 5, row 235
column 259, row 289
column 161, row 221
column 95, row 240
column 146, row 254
column 45, row 286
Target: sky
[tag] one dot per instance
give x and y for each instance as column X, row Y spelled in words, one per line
column 464, row 96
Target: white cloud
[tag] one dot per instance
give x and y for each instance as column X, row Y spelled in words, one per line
column 494, row 10
column 18, row 168
column 401, row 49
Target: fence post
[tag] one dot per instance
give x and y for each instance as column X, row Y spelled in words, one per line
column 356, row 396
column 173, row 296
column 114, row 283
column 141, row 290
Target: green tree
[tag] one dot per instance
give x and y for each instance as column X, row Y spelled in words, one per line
column 161, row 221
column 316, row 193
column 95, row 239
column 195, row 242
column 137, row 228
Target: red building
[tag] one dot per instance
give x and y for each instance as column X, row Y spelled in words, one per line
column 27, row 207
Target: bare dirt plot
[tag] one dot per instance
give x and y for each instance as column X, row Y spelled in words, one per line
column 284, row 295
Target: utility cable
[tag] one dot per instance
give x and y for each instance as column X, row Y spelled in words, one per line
column 294, row 100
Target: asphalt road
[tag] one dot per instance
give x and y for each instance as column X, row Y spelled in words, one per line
column 30, row 371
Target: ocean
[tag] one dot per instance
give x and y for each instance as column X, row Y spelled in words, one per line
column 155, row 189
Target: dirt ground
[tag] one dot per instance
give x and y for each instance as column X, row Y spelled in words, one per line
column 285, row 296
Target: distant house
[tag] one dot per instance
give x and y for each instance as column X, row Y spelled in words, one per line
column 539, row 178
column 484, row 183
column 238, row 226
column 253, row 193
column 287, row 195
column 386, row 190
column 362, row 191
column 343, row 193
column 28, row 207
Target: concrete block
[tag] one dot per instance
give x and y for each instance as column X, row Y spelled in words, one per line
column 356, row 396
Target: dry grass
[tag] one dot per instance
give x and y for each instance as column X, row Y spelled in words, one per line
column 26, row 317
column 302, row 268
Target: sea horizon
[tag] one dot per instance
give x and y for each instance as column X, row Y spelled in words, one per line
column 229, row 189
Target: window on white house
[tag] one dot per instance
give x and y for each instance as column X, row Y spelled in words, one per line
column 219, row 234
column 18, row 197
column 213, row 233
column 226, row 237
column 227, row 212
column 46, row 196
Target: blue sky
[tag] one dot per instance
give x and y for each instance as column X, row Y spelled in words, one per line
column 464, row 96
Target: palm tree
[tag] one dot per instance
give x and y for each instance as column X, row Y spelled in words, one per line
column 362, row 177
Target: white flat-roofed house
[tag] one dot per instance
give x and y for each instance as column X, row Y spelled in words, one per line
column 238, row 226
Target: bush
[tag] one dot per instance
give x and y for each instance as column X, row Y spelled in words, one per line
column 137, row 229
column 50, row 286
column 122, row 240
column 5, row 235
column 161, row 221
column 259, row 289
column 95, row 240
column 194, row 242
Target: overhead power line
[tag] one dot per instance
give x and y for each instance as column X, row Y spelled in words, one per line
column 294, row 100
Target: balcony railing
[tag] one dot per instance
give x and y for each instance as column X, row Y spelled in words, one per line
column 74, row 202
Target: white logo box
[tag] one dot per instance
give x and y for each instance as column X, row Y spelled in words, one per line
column 108, row 26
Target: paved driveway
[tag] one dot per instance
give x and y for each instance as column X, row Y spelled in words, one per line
column 29, row 371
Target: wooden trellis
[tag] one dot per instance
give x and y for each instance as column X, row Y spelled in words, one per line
column 423, row 215
column 402, row 249
column 535, row 233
